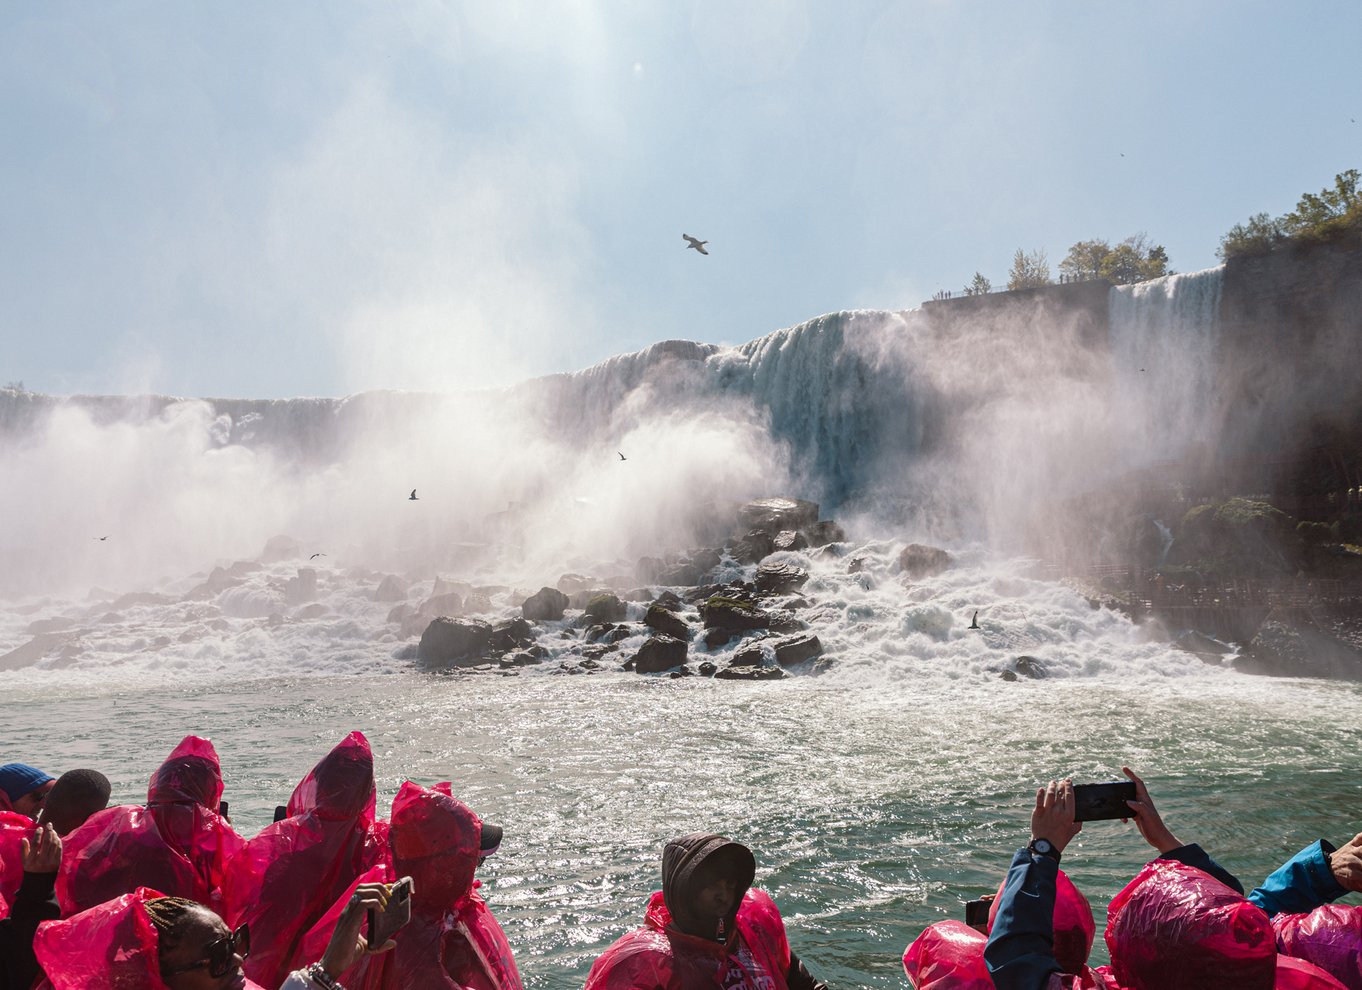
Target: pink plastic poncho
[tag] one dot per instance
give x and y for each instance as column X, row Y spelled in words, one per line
column 1175, row 926
column 948, row 955
column 286, row 878
column 658, row 955
column 453, row 941
column 1329, row 936
column 1074, row 927
column 1297, row 974
column 178, row 843
column 14, row 828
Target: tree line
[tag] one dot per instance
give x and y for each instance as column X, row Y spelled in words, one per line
column 1134, row 259
column 1329, row 215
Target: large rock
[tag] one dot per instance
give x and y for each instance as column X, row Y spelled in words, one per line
column 454, row 641
column 391, row 589
column 659, row 653
column 792, row 650
column 606, row 608
column 666, row 621
column 302, row 588
column 789, row 539
column 1290, row 644
column 732, row 613
column 918, row 561
column 771, row 515
column 572, row 583
column 449, row 603
column 510, row 634
column 824, row 532
column 752, row 547
column 749, row 672
column 777, row 579
column 545, row 605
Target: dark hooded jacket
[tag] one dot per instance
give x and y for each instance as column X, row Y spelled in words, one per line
column 679, row 949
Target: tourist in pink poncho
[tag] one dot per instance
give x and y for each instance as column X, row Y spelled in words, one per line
column 453, row 942
column 286, row 878
column 178, row 843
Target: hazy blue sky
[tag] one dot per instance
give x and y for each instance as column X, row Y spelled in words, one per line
column 275, row 199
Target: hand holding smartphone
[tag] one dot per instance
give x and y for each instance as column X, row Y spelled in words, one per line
column 384, row 924
column 1103, row 802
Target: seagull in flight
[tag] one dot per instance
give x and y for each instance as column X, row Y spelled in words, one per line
column 316, row 555
column 412, row 497
column 974, row 622
column 101, row 539
column 622, row 457
column 695, row 242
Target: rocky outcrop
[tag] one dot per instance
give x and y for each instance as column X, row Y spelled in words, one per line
column 750, row 548
column 605, row 608
column 391, row 589
column 1289, row 643
column 666, row 621
column 510, row 634
column 720, row 611
column 778, row 578
column 789, row 539
column 279, row 548
column 545, row 605
column 659, row 653
column 454, row 641
column 917, row 561
column 449, row 603
column 771, row 515
column 749, row 672
column 793, row 650
column 825, row 532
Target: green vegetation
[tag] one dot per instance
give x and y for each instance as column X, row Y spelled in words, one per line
column 978, row 286
column 1030, row 270
column 1329, row 215
column 1133, row 260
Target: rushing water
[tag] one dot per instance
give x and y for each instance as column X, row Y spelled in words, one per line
column 877, row 797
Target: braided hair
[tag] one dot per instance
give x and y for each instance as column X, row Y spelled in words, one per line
column 169, row 916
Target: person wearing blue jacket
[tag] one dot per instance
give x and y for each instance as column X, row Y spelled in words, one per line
column 1019, row 953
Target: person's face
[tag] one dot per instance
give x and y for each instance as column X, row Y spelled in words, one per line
column 716, row 898
column 203, row 941
column 32, row 802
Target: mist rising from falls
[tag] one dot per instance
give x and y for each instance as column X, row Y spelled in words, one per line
column 956, row 425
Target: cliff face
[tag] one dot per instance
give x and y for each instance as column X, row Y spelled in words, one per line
column 1291, row 325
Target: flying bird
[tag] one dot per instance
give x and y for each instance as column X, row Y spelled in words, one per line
column 622, row 457
column 101, row 539
column 316, row 555
column 695, row 242
column 412, row 497
column 974, row 622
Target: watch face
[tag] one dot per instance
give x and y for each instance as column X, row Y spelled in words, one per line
column 1042, row 846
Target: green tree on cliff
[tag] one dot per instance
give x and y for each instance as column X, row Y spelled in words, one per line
column 1326, row 215
column 978, row 286
column 1029, row 270
column 1133, row 260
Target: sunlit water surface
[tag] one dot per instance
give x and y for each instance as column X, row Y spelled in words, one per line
column 875, row 805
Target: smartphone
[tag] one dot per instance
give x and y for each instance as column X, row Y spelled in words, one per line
column 976, row 913
column 1102, row 802
column 280, row 812
column 384, row 924
column 222, row 809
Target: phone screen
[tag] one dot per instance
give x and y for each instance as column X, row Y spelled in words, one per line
column 976, row 913
column 384, row 924
column 1102, row 802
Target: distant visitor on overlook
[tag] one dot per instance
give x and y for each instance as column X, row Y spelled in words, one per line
column 695, row 242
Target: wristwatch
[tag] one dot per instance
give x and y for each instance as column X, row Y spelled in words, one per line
column 322, row 978
column 1043, row 847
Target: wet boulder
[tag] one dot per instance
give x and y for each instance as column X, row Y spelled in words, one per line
column 510, row 634
column 605, row 608
column 717, row 637
column 726, row 612
column 454, row 641
column 708, row 668
column 666, row 621
column 1290, row 644
column 749, row 672
column 792, row 650
column 751, row 548
column 570, row 584
column 391, row 589
column 669, row 600
column 777, row 578
column 659, row 653
column 545, row 605
column 520, row 658
column 917, row 561
column 448, row 603
column 1030, row 667
column 789, row 539
column 825, row 532
column 771, row 515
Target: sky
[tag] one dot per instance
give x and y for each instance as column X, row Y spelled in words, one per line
column 262, row 200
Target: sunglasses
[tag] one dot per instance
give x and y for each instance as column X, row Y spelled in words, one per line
column 221, row 954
